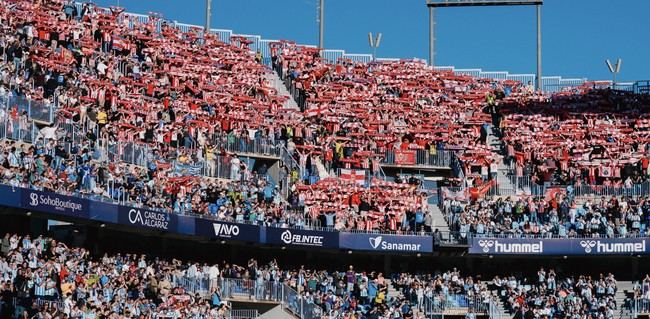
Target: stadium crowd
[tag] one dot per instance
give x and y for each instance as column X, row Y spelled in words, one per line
column 122, row 86
column 43, row 278
column 551, row 296
column 560, row 216
column 367, row 109
column 178, row 101
column 578, row 137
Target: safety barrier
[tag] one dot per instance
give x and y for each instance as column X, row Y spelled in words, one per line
column 642, row 87
column 640, row 307
column 37, row 110
column 441, row 158
column 555, row 236
column 523, row 185
column 230, row 288
column 300, row 304
column 17, row 130
column 244, row 314
column 637, row 190
column 250, row 289
column 493, row 309
column 441, row 304
column 36, row 300
column 258, row 146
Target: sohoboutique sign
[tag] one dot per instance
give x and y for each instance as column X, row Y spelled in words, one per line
column 54, row 203
column 566, row 246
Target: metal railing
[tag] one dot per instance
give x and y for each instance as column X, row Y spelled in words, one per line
column 555, row 236
column 423, row 157
column 300, row 304
column 261, row 146
column 637, row 190
column 38, row 110
column 640, row 307
column 523, row 185
column 441, row 304
column 244, row 314
column 493, row 309
column 231, row 288
column 642, row 87
column 39, row 302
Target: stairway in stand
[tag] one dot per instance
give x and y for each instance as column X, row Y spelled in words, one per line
column 505, row 186
column 624, row 289
column 278, row 84
column 439, row 220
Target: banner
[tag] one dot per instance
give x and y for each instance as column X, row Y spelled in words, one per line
column 605, row 171
column 10, row 196
column 560, row 246
column 100, row 211
column 459, row 194
column 188, row 169
column 149, row 219
column 357, row 176
column 54, row 203
column 404, row 157
column 302, row 237
column 383, row 242
column 218, row 229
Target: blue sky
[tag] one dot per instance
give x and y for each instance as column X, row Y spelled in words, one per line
column 578, row 35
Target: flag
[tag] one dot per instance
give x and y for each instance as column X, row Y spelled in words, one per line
column 188, row 169
column 316, row 112
column 357, row 176
column 606, row 171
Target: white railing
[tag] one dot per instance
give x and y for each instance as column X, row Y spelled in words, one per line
column 301, row 305
column 549, row 83
column 244, row 314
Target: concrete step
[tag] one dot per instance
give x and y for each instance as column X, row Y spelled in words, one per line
column 392, row 291
column 278, row 84
column 439, row 220
column 277, row 313
column 322, row 171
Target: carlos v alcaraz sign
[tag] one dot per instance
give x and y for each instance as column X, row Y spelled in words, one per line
column 54, row 203
column 567, row 246
column 146, row 218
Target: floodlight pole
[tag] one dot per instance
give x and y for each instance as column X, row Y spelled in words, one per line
column 208, row 15
column 432, row 38
column 374, row 44
column 431, row 4
column 614, row 70
column 321, row 23
column 538, row 80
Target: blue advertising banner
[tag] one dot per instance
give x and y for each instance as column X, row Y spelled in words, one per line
column 382, row 242
column 10, row 196
column 149, row 219
column 302, row 237
column 218, row 229
column 564, row 246
column 186, row 225
column 105, row 212
column 54, row 203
